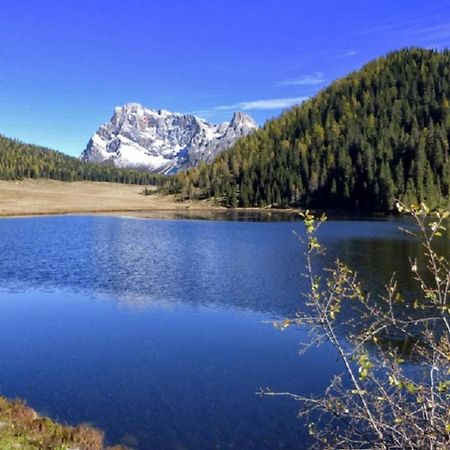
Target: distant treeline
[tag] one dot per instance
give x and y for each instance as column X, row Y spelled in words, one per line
column 19, row 160
column 380, row 133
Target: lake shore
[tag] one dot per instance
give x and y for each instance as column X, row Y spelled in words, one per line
column 41, row 197
column 50, row 197
column 22, row 427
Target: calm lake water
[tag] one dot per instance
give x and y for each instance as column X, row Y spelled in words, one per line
column 158, row 331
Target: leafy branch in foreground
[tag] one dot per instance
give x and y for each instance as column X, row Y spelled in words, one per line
column 379, row 401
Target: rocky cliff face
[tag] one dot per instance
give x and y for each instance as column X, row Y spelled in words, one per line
column 161, row 141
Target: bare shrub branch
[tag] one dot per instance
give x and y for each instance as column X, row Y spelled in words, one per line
column 381, row 402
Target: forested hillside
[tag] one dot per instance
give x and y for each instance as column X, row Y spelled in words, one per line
column 18, row 160
column 380, row 133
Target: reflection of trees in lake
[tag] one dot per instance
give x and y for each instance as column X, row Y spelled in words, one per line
column 249, row 265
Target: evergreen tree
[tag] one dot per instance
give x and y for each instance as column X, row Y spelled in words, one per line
column 19, row 160
column 379, row 133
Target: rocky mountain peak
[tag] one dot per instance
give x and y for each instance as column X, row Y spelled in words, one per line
column 243, row 118
column 162, row 141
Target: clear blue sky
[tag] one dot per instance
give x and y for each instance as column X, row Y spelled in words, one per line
column 65, row 65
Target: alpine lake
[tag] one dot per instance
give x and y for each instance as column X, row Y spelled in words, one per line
column 160, row 332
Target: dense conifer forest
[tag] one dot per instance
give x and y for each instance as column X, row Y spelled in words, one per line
column 19, row 160
column 378, row 134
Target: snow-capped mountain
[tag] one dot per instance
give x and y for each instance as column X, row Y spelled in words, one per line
column 162, row 141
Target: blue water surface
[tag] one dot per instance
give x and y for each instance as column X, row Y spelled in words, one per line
column 159, row 331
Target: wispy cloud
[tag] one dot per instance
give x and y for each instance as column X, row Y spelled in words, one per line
column 304, row 80
column 271, row 104
column 441, row 31
column 264, row 104
column 416, row 26
column 349, row 53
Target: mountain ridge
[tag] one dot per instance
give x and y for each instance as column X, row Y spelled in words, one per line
column 162, row 141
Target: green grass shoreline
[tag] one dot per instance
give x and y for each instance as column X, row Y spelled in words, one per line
column 22, row 428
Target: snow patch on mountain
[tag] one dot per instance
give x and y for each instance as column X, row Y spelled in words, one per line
column 162, row 141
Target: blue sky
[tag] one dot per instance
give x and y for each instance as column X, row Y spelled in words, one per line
column 65, row 65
